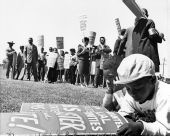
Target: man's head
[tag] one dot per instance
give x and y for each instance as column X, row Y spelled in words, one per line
column 11, row 43
column 55, row 50
column 145, row 12
column 137, row 73
column 66, row 52
column 72, row 51
column 85, row 41
column 102, row 40
column 122, row 32
column 61, row 52
column 42, row 50
column 22, row 48
column 30, row 40
column 50, row 49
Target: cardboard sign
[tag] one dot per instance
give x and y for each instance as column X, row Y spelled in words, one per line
column 60, row 42
column 83, row 22
column 65, row 120
column 92, row 36
column 117, row 22
column 134, row 7
column 33, row 107
column 67, row 60
column 40, row 41
column 51, row 59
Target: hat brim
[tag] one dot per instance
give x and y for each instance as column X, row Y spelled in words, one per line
column 10, row 43
column 130, row 81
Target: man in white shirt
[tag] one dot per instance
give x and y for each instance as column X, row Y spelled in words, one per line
column 147, row 98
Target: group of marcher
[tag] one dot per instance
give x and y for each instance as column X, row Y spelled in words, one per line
column 82, row 67
column 130, row 71
column 26, row 61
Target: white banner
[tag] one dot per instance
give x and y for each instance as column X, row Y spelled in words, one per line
column 40, row 41
column 117, row 22
column 60, row 42
column 83, row 22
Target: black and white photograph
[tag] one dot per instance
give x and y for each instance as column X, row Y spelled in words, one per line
column 85, row 67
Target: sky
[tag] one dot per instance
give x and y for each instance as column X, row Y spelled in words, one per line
column 21, row 19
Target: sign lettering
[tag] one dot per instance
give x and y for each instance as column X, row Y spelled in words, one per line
column 71, row 108
column 103, row 117
column 27, row 127
column 71, row 120
column 93, row 121
column 116, row 119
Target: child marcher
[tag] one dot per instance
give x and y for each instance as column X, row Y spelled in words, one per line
column 60, row 68
column 73, row 66
column 41, row 65
column 66, row 67
column 51, row 62
column 20, row 62
column 147, row 100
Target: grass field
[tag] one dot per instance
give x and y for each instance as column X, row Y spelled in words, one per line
column 15, row 92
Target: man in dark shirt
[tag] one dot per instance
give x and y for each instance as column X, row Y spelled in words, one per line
column 31, row 59
column 145, row 43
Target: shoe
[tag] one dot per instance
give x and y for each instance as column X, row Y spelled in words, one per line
column 86, row 85
column 82, row 85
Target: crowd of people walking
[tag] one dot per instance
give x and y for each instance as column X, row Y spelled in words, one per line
column 88, row 64
column 83, row 66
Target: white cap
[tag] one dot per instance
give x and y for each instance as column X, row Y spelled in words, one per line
column 134, row 67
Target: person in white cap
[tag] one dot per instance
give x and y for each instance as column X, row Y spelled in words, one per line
column 147, row 101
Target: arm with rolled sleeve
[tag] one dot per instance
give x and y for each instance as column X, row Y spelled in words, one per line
column 159, row 127
column 9, row 53
column 127, row 106
column 150, row 24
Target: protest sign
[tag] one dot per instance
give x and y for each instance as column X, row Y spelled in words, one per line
column 32, row 107
column 51, row 59
column 134, row 7
column 92, row 36
column 83, row 22
column 117, row 22
column 65, row 119
column 60, row 42
column 40, row 41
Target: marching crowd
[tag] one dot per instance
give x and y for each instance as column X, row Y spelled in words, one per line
column 130, row 69
column 83, row 66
